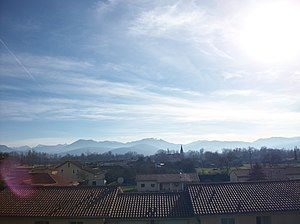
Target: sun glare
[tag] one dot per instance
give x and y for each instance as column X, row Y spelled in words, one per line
column 271, row 32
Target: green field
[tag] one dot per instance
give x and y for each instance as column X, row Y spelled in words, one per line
column 129, row 188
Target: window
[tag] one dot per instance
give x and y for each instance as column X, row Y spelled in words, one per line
column 41, row 222
column 176, row 184
column 61, row 171
column 227, row 221
column 142, row 185
column 69, row 164
column 152, row 185
column 263, row 220
column 73, row 171
column 94, row 183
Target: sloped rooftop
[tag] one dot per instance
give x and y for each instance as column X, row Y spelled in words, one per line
column 278, row 173
column 57, row 201
column 152, row 205
column 199, row 199
column 245, row 197
column 46, row 179
column 169, row 178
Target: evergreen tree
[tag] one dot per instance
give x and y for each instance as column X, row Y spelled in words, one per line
column 256, row 173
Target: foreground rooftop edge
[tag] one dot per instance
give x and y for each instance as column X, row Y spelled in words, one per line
column 110, row 203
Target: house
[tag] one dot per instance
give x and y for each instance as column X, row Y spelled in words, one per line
column 26, row 176
column 264, row 202
column 270, row 202
column 280, row 173
column 75, row 170
column 165, row 182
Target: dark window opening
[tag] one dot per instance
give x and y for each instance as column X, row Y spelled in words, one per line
column 263, row 220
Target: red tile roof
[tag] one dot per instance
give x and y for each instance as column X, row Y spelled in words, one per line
column 57, row 202
column 245, row 197
column 152, row 205
column 46, row 179
column 169, row 178
column 40, row 179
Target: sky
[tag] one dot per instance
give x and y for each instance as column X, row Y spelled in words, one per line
column 124, row 70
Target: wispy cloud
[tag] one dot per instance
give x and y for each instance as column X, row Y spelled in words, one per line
column 183, row 21
column 159, row 68
column 103, row 7
column 37, row 63
column 231, row 75
column 167, row 20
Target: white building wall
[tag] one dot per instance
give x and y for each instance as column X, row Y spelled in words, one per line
column 147, row 186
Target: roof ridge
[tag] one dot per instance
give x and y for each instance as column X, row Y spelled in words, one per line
column 242, row 182
column 113, row 202
column 51, row 176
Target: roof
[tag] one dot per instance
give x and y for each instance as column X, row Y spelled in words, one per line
column 242, row 172
column 245, row 197
column 281, row 173
column 39, row 179
column 167, row 178
column 41, row 169
column 152, row 205
column 46, row 179
column 106, row 202
column 57, row 201
column 78, row 164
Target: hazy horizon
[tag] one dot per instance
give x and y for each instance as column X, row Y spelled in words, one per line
column 57, row 142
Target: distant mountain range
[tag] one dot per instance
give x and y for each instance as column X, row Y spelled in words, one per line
column 150, row 146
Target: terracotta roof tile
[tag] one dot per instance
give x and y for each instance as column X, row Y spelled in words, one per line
column 199, row 199
column 63, row 181
column 152, row 205
column 41, row 179
column 57, row 201
column 245, row 197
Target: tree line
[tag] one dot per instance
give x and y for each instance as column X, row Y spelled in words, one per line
column 225, row 158
column 164, row 161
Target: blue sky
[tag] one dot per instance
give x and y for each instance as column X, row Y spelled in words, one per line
column 125, row 70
